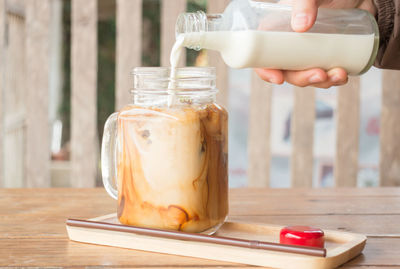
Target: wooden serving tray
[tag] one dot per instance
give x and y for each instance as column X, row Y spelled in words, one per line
column 340, row 246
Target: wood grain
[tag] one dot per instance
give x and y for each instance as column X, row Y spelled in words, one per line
column 347, row 134
column 62, row 252
column 37, row 29
column 357, row 210
column 2, row 70
column 128, row 47
column 314, row 205
column 169, row 13
column 32, row 224
column 362, row 223
column 302, row 135
column 259, row 148
column 379, row 252
column 84, row 140
column 52, row 223
column 214, row 59
column 389, row 163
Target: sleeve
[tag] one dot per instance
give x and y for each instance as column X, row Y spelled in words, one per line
column 388, row 17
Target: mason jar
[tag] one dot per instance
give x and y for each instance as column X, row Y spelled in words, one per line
column 165, row 156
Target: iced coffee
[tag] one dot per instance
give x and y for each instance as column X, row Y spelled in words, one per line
column 172, row 167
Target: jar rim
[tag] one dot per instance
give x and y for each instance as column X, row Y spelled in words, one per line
column 200, row 71
column 157, row 79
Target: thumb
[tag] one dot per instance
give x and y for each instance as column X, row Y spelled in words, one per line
column 304, row 14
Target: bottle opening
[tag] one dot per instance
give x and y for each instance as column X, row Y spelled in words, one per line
column 191, row 22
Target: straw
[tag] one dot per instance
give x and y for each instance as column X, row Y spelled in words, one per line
column 254, row 244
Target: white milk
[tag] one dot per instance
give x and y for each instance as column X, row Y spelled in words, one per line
column 287, row 50
column 174, row 57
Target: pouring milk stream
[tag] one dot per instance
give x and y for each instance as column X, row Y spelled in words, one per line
column 174, row 60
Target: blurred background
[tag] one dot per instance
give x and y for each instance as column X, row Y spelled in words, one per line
column 15, row 111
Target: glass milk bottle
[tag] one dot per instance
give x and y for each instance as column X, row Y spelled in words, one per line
column 259, row 34
column 167, row 165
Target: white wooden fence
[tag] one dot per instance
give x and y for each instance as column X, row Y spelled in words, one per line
column 24, row 99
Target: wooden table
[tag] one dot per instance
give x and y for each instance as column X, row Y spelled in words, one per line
column 32, row 224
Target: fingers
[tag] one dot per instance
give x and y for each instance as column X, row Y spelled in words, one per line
column 336, row 77
column 316, row 77
column 270, row 75
column 304, row 14
column 306, row 77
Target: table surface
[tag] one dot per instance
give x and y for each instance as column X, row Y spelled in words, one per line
column 32, row 225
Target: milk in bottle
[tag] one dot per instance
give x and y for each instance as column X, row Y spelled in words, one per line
column 259, row 34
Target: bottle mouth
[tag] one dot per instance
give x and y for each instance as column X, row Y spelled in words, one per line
column 191, row 22
column 155, row 80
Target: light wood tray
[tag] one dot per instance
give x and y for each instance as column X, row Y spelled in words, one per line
column 341, row 246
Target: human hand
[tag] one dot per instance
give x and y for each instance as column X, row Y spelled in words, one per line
column 304, row 14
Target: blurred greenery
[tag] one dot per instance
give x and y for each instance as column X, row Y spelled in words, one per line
column 106, row 71
column 106, row 57
column 65, row 108
column 151, row 33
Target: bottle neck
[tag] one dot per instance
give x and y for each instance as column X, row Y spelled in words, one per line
column 193, row 24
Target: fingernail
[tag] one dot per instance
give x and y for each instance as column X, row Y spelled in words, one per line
column 300, row 20
column 274, row 80
column 315, row 79
column 335, row 78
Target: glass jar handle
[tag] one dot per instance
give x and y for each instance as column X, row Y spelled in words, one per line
column 108, row 155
